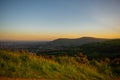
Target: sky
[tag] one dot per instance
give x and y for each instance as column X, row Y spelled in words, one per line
column 52, row 19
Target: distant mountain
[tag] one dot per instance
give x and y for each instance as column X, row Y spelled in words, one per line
column 75, row 42
column 92, row 47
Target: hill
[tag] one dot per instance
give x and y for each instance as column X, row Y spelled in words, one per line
column 103, row 48
column 75, row 42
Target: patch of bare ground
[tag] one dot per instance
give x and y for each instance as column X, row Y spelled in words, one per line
column 118, row 78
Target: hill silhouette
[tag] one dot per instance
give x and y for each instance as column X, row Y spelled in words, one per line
column 75, row 42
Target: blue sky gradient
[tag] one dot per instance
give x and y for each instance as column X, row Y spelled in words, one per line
column 51, row 19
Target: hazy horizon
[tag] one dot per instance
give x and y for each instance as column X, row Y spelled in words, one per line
column 46, row 20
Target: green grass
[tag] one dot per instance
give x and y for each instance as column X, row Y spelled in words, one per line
column 24, row 65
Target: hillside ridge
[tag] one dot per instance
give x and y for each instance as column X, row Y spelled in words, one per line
column 76, row 41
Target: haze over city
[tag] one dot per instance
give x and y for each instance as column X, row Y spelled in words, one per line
column 52, row 19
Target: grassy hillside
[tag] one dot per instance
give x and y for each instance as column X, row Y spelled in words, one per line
column 110, row 48
column 25, row 65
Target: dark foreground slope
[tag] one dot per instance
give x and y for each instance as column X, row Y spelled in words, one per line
column 110, row 48
column 24, row 65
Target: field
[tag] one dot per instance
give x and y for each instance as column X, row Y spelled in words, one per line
column 25, row 65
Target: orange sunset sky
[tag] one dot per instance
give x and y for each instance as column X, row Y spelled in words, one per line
column 44, row 20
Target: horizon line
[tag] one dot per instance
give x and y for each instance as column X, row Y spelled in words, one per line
column 52, row 39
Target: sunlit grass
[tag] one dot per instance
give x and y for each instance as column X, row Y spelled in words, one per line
column 24, row 65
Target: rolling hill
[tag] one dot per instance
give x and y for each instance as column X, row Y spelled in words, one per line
column 75, row 42
column 92, row 47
